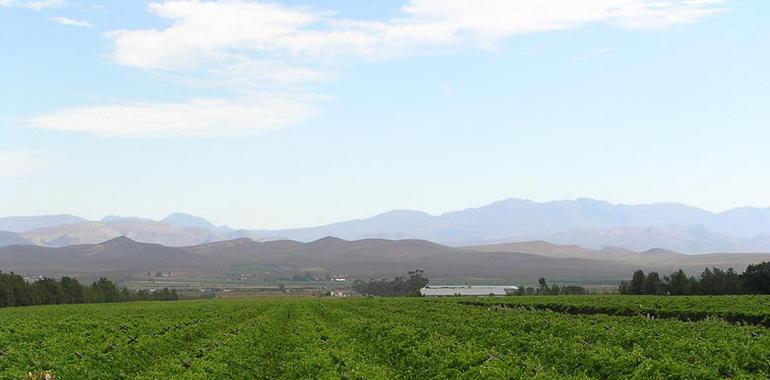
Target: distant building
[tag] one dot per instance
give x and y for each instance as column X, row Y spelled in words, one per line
column 468, row 290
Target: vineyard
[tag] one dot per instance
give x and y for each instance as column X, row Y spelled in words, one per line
column 738, row 309
column 383, row 338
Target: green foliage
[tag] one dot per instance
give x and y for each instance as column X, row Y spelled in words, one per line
column 399, row 287
column 637, row 282
column 734, row 308
column 553, row 290
column 717, row 281
column 652, row 284
column 72, row 291
column 382, row 338
column 756, row 278
column 678, row 284
column 712, row 281
column 15, row 291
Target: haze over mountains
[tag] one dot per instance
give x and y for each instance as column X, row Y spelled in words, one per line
column 125, row 259
column 585, row 222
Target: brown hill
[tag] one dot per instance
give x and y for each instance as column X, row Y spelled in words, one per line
column 370, row 258
column 363, row 258
column 654, row 259
column 119, row 254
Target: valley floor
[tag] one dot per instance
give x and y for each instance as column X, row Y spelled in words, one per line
column 378, row 338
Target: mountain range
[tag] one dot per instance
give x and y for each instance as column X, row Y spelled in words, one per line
column 585, row 222
column 125, row 259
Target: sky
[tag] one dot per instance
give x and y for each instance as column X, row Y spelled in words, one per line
column 296, row 113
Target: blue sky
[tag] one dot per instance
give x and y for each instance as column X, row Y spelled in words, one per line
column 267, row 115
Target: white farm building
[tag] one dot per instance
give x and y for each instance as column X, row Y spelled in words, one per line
column 468, row 290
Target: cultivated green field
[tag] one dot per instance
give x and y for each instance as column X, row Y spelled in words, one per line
column 414, row 338
column 738, row 309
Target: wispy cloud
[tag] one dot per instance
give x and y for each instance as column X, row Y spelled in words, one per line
column 203, row 30
column 246, row 46
column 31, row 4
column 71, row 22
column 199, row 117
column 22, row 163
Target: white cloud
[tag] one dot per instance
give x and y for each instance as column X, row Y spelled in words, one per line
column 201, row 30
column 246, row 46
column 200, row 117
column 71, row 22
column 488, row 21
column 205, row 30
column 31, row 4
column 22, row 163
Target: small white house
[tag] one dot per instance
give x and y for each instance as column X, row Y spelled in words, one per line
column 468, row 290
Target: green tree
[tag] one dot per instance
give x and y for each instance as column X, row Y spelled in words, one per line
column 624, row 287
column 104, row 290
column 679, row 284
column 6, row 294
column 47, row 291
column 399, row 286
column 756, row 278
column 652, row 284
column 716, row 281
column 15, row 291
column 637, row 282
column 733, row 283
column 543, row 286
column 72, row 290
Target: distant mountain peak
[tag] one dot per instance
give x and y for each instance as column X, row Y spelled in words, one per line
column 179, row 219
column 582, row 221
column 120, row 240
column 401, row 216
column 328, row 239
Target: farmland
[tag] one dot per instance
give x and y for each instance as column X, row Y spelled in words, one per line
column 740, row 309
column 412, row 338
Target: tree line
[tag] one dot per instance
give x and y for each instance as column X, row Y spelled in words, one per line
column 16, row 291
column 544, row 289
column 754, row 280
column 398, row 287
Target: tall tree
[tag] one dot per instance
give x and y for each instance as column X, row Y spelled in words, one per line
column 652, row 284
column 72, row 290
column 679, row 284
column 47, row 291
column 104, row 290
column 733, row 283
column 756, row 278
column 637, row 282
